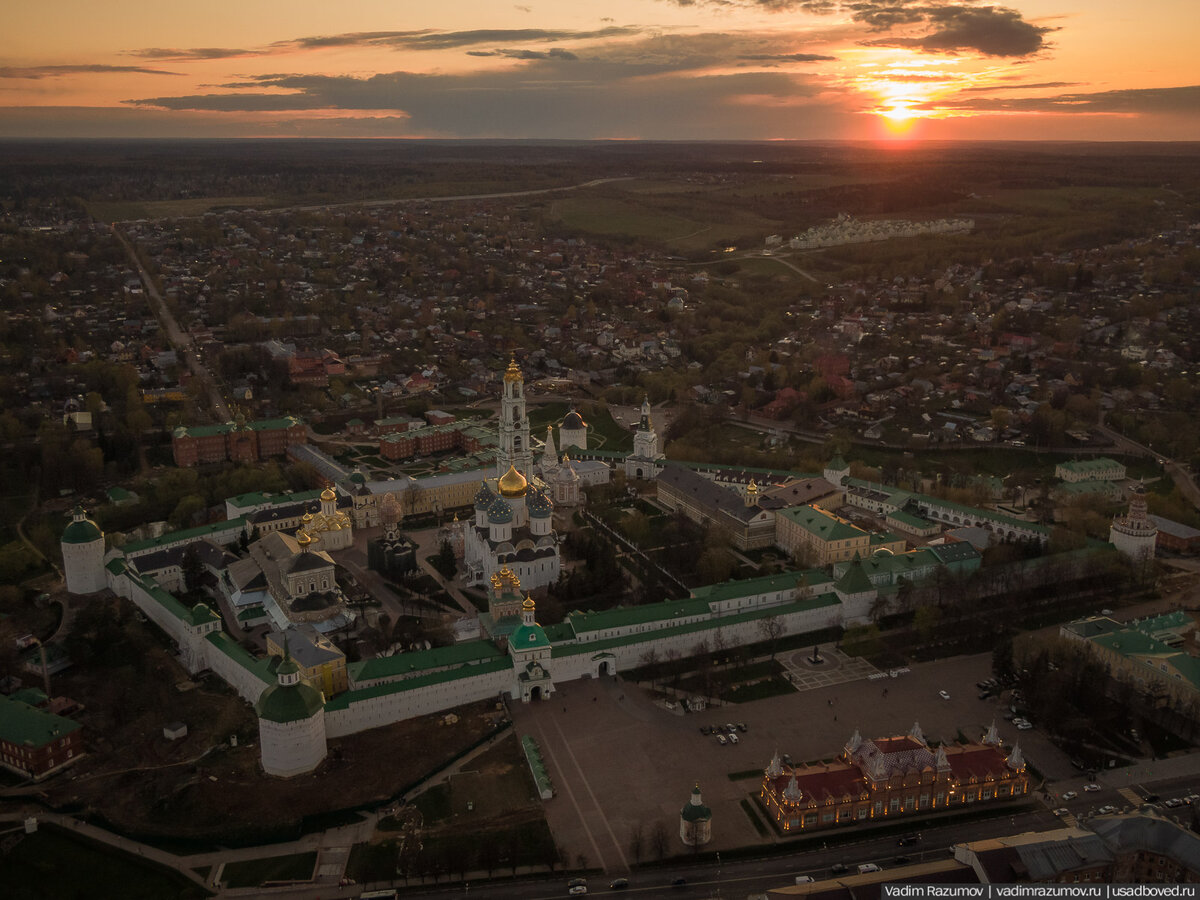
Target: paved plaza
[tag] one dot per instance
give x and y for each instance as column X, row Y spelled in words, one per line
column 618, row 759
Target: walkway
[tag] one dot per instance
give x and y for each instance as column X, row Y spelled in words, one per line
column 835, row 667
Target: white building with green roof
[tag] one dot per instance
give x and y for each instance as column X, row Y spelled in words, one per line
column 1099, row 468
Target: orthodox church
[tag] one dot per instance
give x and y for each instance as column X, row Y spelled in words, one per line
column 513, row 525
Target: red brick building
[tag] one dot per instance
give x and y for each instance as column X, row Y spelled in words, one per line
column 34, row 742
column 888, row 778
column 464, row 438
column 314, row 367
column 239, row 441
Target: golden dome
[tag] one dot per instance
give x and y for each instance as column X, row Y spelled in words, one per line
column 528, row 604
column 512, row 373
column 506, row 580
column 306, row 518
column 329, row 494
column 512, row 483
column 304, row 539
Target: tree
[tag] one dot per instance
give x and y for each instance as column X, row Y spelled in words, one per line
column 445, row 561
column 1002, row 657
column 637, row 843
column 659, row 840
column 772, row 628
column 192, row 569
column 925, row 620
column 186, row 511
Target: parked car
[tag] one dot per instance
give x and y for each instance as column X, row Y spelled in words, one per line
column 943, row 695
column 733, row 738
column 722, row 740
column 868, row 867
column 902, row 860
column 1174, row 803
column 679, row 882
column 742, row 727
column 705, row 730
column 578, row 890
column 577, row 882
column 618, row 884
column 1106, row 810
column 1069, row 795
column 839, row 869
column 804, row 879
column 1091, row 787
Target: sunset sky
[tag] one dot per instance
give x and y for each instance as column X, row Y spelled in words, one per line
column 618, row 69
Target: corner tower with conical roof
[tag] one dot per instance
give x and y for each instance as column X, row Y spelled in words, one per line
column 83, row 555
column 291, row 723
column 1135, row 534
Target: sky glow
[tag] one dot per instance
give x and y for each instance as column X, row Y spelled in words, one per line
column 619, row 69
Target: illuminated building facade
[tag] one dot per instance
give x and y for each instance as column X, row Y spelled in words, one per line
column 889, row 778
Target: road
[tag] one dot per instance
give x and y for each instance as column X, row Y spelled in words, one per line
column 180, row 340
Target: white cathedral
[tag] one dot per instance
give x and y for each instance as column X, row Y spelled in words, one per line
column 513, row 526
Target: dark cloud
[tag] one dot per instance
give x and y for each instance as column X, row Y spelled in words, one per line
column 946, row 27
column 448, row 40
column 1037, row 86
column 396, row 40
column 553, row 53
column 990, row 30
column 178, row 53
column 38, row 72
column 520, row 104
column 234, row 102
column 786, row 57
column 1143, row 101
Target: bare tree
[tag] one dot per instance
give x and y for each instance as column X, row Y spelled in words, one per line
column 772, row 628
column 660, row 841
column 637, row 843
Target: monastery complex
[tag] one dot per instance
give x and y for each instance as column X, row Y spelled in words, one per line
column 306, row 692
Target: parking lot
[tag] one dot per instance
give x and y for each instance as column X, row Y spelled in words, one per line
column 618, row 760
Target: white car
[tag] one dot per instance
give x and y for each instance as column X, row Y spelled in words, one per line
column 1106, row 810
column 1061, row 811
column 1069, row 795
column 943, row 695
column 1091, row 787
column 733, row 738
column 722, row 740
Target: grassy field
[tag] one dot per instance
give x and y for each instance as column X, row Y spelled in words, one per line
column 602, row 215
column 254, row 872
column 51, row 864
column 124, row 211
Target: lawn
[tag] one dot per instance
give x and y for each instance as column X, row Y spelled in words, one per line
column 604, row 215
column 254, row 872
column 52, row 863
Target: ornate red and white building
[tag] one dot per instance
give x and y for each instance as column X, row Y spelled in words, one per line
column 889, row 778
